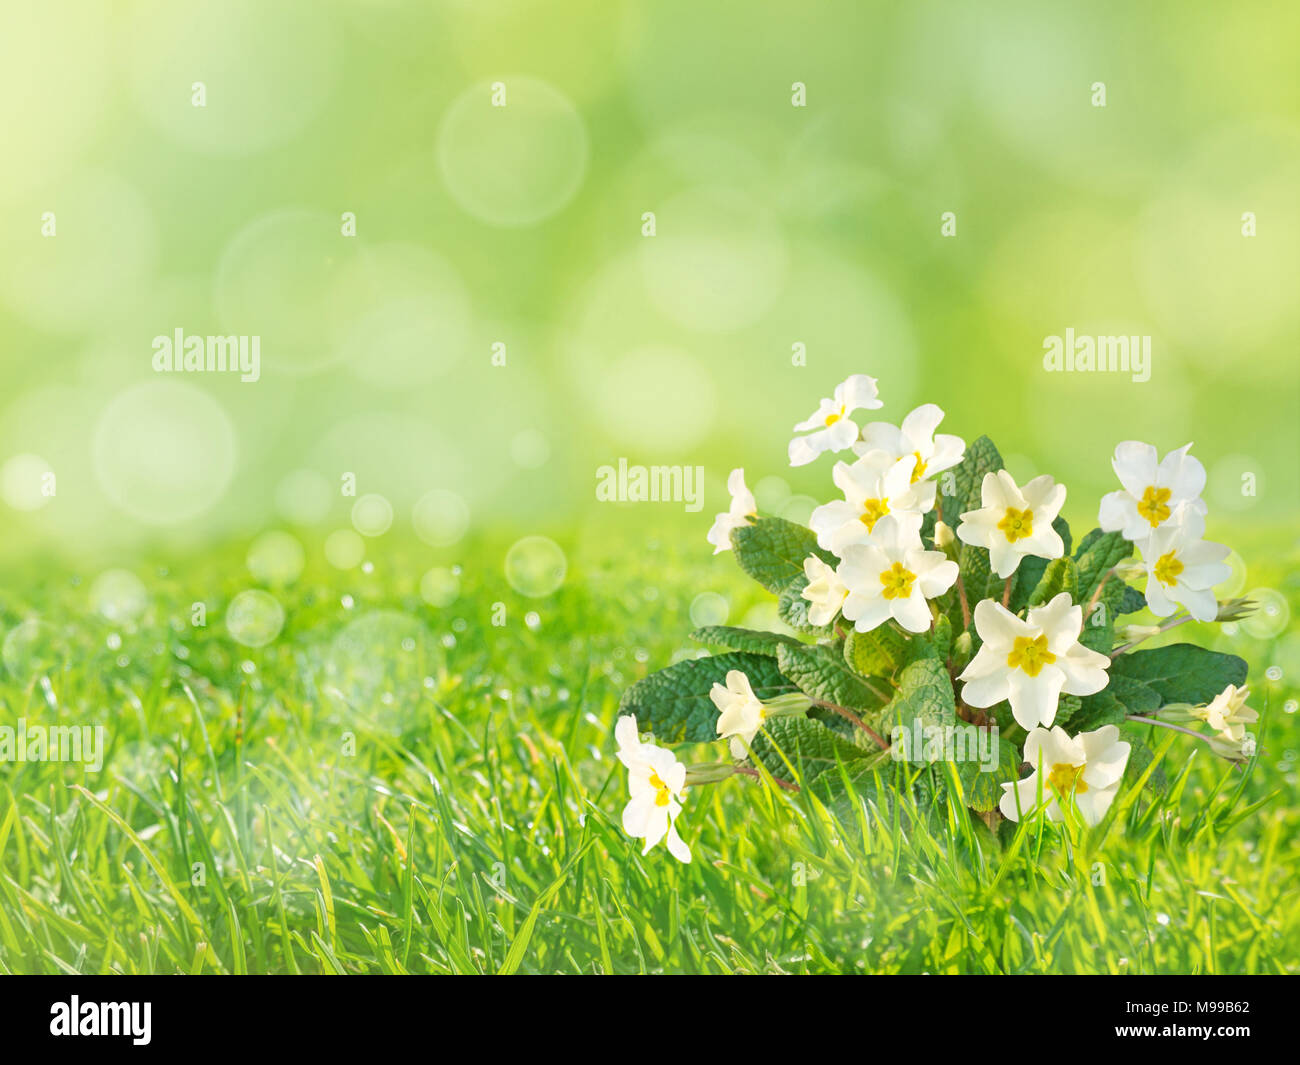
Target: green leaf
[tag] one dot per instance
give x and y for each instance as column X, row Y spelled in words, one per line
column 674, row 703
column 1121, row 696
column 822, row 674
column 810, row 747
column 1097, row 554
column 1058, row 576
column 1139, row 757
column 968, row 479
column 734, row 639
column 1031, row 569
column 924, row 695
column 1181, row 672
column 983, row 787
column 1128, row 600
column 772, row 551
column 878, row 653
column 792, row 608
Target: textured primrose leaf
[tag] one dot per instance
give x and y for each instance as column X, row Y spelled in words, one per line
column 968, row 478
column 735, row 639
column 1121, row 696
column 1030, row 572
column 772, row 551
column 792, row 608
column 924, row 694
column 982, row 788
column 809, row 746
column 1058, row 576
column 821, row 673
column 1095, row 556
column 878, row 653
column 674, row 703
column 1181, row 672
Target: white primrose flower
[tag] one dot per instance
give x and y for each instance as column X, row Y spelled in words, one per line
column 1228, row 713
column 655, row 779
column 743, row 508
column 1031, row 662
column 1183, row 568
column 874, row 486
column 1014, row 522
column 892, row 577
column 834, row 431
column 825, row 591
column 915, row 437
column 1153, row 489
column 740, row 712
column 1085, row 770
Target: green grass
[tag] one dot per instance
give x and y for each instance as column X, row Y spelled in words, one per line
column 475, row 828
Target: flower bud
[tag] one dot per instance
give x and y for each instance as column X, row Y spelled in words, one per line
column 1130, row 570
column 943, row 536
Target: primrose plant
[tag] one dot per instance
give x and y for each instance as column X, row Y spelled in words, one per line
column 942, row 629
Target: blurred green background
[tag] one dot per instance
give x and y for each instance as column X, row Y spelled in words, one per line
column 522, row 225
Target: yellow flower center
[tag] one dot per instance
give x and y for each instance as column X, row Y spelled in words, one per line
column 1167, row 569
column 1017, row 524
column 872, row 511
column 831, row 419
column 918, row 471
column 1065, row 778
column 1154, row 504
column 662, row 794
column 897, row 582
column 1030, row 655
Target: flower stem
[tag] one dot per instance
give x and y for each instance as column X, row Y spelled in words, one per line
column 1006, row 594
column 1165, row 724
column 849, row 715
column 1092, row 602
column 965, row 606
column 1183, row 620
column 746, row 771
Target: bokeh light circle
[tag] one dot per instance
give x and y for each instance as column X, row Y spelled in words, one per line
column 378, row 664
column 440, row 517
column 1270, row 616
column 254, row 618
column 163, row 451
column 536, row 566
column 119, row 595
column 344, row 549
column 439, row 587
column 709, row 608
column 277, row 280
column 22, row 482
column 266, row 69
column 401, row 316
column 514, row 165
column 372, row 515
column 303, row 497
column 276, row 558
column 717, row 261
column 31, row 649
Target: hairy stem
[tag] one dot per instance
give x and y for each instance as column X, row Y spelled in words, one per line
column 1092, row 603
column 746, row 771
column 965, row 606
column 850, row 716
column 1182, row 620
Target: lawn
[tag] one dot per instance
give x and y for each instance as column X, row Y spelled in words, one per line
column 392, row 786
